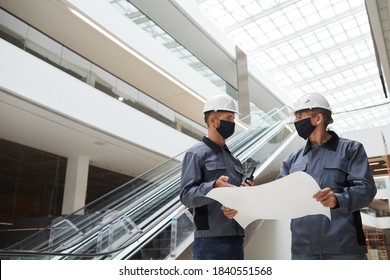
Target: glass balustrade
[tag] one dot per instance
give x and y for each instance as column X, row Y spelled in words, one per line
column 38, row 44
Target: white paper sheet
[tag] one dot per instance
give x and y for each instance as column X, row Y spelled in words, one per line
column 285, row 198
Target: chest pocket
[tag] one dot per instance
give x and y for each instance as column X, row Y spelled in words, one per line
column 335, row 175
column 213, row 170
column 298, row 167
column 239, row 170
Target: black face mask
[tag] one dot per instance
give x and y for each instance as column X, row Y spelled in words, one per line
column 304, row 128
column 226, row 128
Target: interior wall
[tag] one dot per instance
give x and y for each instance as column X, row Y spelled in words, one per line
column 372, row 139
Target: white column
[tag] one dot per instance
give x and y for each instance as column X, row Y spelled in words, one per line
column 75, row 184
column 243, row 85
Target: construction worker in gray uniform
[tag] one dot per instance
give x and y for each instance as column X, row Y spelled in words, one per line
column 207, row 165
column 341, row 169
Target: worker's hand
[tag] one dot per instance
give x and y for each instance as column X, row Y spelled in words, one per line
column 248, row 183
column 222, row 182
column 229, row 213
column 326, row 197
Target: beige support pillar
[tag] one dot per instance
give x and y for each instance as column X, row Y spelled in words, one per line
column 243, row 85
column 75, row 184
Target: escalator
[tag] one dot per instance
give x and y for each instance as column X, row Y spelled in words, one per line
column 144, row 219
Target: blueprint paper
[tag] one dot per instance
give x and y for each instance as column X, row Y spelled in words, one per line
column 285, row 198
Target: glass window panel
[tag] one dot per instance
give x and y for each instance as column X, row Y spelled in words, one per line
column 43, row 46
column 13, row 24
column 103, row 81
column 126, row 91
column 76, row 65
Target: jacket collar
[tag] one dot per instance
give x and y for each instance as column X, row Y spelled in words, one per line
column 216, row 149
column 331, row 144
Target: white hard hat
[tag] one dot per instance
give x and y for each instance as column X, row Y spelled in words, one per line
column 220, row 103
column 311, row 101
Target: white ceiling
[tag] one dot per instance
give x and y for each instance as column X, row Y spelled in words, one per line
column 331, row 53
column 47, row 131
column 321, row 46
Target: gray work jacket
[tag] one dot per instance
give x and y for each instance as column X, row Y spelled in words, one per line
column 342, row 165
column 202, row 165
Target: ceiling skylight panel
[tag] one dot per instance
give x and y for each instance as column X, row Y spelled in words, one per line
column 268, row 65
column 322, row 33
column 280, row 60
column 252, row 7
column 335, row 29
column 286, row 48
column 216, row 11
column 313, row 19
column 280, row 75
column 284, row 79
column 316, row 47
column 291, row 12
column 321, row 4
column 318, row 70
column 299, row 46
column 286, row 30
column 362, row 19
column 299, row 24
column 351, row 79
column 362, row 75
column 273, row 53
column 339, row 80
column 326, row 62
column 242, row 37
column 359, row 117
column 316, row 85
column 225, row 20
column 302, row 67
column 263, row 57
column 231, row 6
column 305, row 75
column 291, row 72
column 348, row 73
column 349, row 54
column 363, row 45
column 349, row 23
column 364, row 54
column 336, row 55
column 235, row 32
column 329, row 84
column 279, row 19
column 331, row 99
column 249, row 45
column 240, row 14
column 354, row 32
column 341, row 7
column 308, row 9
column 371, row 68
column 350, row 95
column 253, row 29
column 310, row 40
column 326, row 13
column 274, row 35
column 292, row 57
